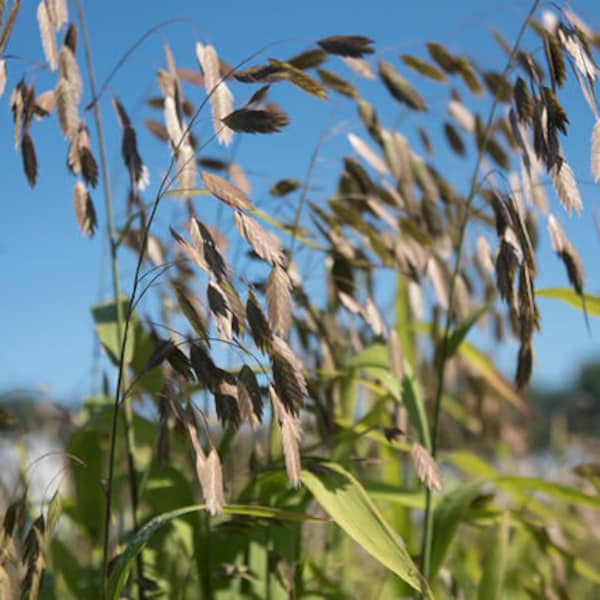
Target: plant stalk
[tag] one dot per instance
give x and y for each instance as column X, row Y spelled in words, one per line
column 427, row 543
column 122, row 382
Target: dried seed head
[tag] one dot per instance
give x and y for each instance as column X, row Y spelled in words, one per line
column 221, row 98
column 501, row 213
column 507, row 262
column 84, row 209
column 204, row 367
column 66, row 107
column 373, row 318
column 69, row 70
column 462, row 115
column 249, row 397
column 212, row 255
column 484, row 254
column 212, row 483
column 360, row 66
column 225, row 191
column 265, row 244
column 237, row 175
column 524, row 365
column 570, row 259
column 595, row 155
column 279, row 300
column 186, row 169
column 428, row 471
column 436, row 276
column 288, row 375
column 2, row 76
column 567, row 253
column 290, row 434
column 30, row 165
column 47, row 35
column 367, row 154
column 557, row 236
column 220, row 310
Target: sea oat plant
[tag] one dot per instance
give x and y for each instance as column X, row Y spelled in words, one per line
column 318, row 426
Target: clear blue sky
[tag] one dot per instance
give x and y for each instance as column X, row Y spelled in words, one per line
column 51, row 274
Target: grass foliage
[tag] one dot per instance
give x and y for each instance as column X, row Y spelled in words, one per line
column 257, row 443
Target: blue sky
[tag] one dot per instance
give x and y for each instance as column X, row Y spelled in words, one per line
column 51, row 274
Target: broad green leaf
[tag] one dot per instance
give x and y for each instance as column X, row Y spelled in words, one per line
column 461, row 414
column 456, row 338
column 385, row 492
column 572, row 298
column 492, row 580
column 559, row 491
column 404, row 319
column 54, row 512
column 482, row 365
column 348, row 504
column 75, row 580
column 105, row 317
column 357, row 430
column 449, row 513
column 375, row 355
column 88, row 501
column 586, row 570
column 486, row 369
column 412, row 399
column 136, row 544
column 470, row 463
column 374, row 360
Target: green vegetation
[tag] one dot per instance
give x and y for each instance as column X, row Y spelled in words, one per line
column 257, row 443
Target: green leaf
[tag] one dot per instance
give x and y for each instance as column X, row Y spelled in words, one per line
column 105, row 317
column 572, row 298
column 136, row 544
column 486, row 369
column 559, row 491
column 461, row 414
column 404, row 319
column 54, row 512
column 447, row 516
column 348, row 504
column 470, row 463
column 384, row 492
column 492, row 580
column 351, row 431
column 462, row 329
column 375, row 355
column 412, row 399
column 374, row 360
column 88, row 502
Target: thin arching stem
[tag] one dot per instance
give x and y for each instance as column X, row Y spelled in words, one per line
column 128, row 411
column 427, row 544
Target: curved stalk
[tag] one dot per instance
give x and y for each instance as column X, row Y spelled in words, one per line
column 128, row 411
column 427, row 542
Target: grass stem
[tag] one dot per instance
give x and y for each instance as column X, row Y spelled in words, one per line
column 428, row 532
